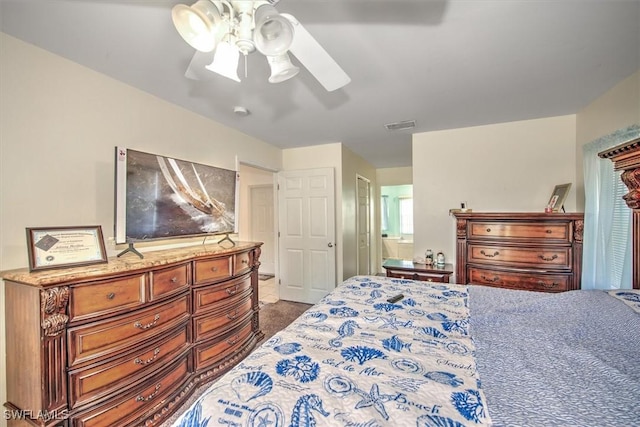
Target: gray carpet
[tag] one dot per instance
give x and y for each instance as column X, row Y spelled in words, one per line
column 273, row 318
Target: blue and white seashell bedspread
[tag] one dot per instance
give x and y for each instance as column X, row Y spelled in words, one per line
column 356, row 360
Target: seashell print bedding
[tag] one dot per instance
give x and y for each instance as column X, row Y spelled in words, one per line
column 355, row 359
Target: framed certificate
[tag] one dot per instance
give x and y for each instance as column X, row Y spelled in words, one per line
column 61, row 247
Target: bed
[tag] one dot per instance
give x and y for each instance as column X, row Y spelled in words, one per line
column 445, row 355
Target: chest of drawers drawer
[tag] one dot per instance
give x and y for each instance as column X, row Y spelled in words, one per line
column 217, row 350
column 89, row 300
column 168, row 281
column 96, row 381
column 242, row 263
column 423, row 277
column 530, row 281
column 522, row 256
column 213, row 324
column 529, row 231
column 100, row 339
column 135, row 405
column 211, row 270
column 210, row 297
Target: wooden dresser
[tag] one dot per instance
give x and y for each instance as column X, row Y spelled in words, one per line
column 529, row 251
column 127, row 342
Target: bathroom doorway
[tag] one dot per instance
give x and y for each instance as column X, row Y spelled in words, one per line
column 396, row 220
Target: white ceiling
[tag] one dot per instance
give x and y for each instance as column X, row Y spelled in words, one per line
column 445, row 64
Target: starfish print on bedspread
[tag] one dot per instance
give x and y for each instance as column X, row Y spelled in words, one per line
column 375, row 399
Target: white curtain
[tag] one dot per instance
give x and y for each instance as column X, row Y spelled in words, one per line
column 607, row 220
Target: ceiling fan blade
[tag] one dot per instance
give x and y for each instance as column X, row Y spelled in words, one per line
column 196, row 69
column 315, row 59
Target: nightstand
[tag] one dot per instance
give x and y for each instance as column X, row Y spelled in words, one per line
column 412, row 270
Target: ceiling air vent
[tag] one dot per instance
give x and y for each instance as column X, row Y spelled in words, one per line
column 407, row 124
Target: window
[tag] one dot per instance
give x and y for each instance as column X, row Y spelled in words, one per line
column 405, row 205
column 607, row 221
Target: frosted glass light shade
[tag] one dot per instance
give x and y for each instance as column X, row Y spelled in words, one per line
column 196, row 24
column 225, row 61
column 281, row 68
column 273, row 33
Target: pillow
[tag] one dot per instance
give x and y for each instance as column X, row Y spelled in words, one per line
column 631, row 297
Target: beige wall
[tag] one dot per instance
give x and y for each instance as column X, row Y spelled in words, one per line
column 507, row 167
column 394, row 176
column 60, row 124
column 618, row 108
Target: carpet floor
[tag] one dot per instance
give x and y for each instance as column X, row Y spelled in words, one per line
column 273, row 318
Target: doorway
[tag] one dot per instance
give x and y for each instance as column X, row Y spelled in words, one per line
column 396, row 220
column 363, row 225
column 257, row 223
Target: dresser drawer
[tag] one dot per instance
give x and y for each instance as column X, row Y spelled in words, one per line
column 529, row 231
column 89, row 300
column 209, row 297
column 424, row 277
column 102, row 339
column 538, row 257
column 97, row 381
column 168, row 281
column 522, row 281
column 211, row 270
column 242, row 263
column 215, row 351
column 138, row 403
column 210, row 325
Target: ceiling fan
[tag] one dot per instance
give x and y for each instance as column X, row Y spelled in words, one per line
column 220, row 30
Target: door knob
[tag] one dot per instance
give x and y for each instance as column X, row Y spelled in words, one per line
column 330, row 245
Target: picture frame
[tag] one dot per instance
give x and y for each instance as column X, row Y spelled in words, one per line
column 556, row 201
column 64, row 247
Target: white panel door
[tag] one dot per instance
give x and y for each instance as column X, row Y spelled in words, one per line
column 306, row 205
column 262, row 225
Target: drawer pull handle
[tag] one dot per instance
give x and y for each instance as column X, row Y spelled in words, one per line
column 214, row 269
column 111, row 295
column 542, row 257
column 548, row 231
column 151, row 396
column 232, row 316
column 496, row 253
column 493, row 280
column 488, row 230
column 233, row 340
column 139, row 361
column 139, row 325
column 233, row 290
column 548, row 285
column 174, row 279
column 245, row 261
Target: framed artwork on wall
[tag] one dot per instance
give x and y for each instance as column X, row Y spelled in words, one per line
column 556, row 201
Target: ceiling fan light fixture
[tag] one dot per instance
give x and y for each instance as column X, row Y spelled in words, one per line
column 225, row 61
column 273, row 33
column 281, row 68
column 196, row 24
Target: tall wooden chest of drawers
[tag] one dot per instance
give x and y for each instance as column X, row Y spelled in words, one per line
column 529, row 251
column 127, row 342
